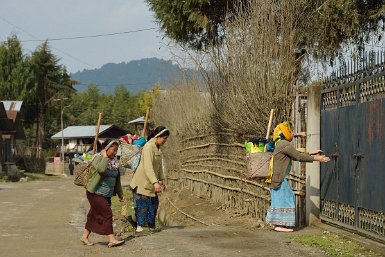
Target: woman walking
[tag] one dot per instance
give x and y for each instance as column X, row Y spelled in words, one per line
column 149, row 180
column 103, row 184
column 281, row 213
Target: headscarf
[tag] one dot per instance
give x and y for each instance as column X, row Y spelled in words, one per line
column 112, row 164
column 283, row 131
column 161, row 133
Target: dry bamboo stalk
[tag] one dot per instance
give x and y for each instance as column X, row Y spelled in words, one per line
column 211, row 134
column 217, row 155
column 269, row 125
column 298, row 180
column 144, row 132
column 212, row 166
column 215, row 159
column 227, row 177
column 297, row 176
column 97, row 133
column 209, row 144
column 225, row 187
column 188, row 215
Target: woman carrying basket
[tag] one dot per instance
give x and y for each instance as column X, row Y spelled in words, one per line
column 103, row 184
column 281, row 213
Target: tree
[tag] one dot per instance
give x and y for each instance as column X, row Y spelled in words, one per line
column 325, row 24
column 121, row 106
column 193, row 22
column 14, row 70
column 50, row 81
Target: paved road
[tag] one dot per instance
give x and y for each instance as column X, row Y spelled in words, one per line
column 45, row 218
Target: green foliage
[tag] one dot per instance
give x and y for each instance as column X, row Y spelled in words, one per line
column 45, row 88
column 14, row 70
column 117, row 109
column 193, row 22
column 325, row 25
column 37, row 80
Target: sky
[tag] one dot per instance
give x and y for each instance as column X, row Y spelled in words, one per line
column 58, row 19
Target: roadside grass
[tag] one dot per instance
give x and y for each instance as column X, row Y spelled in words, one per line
column 335, row 245
column 39, row 176
column 117, row 206
column 32, row 177
column 121, row 211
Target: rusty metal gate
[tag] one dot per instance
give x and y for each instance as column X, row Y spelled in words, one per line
column 353, row 133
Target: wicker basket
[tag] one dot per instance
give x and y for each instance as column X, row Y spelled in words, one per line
column 258, row 164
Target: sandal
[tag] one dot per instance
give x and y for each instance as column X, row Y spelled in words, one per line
column 282, row 229
column 117, row 243
column 86, row 242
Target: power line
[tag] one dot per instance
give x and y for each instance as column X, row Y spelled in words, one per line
column 26, row 32
column 88, row 36
column 117, row 84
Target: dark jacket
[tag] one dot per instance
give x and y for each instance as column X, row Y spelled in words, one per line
column 284, row 153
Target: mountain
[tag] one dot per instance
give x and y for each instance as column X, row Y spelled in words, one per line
column 135, row 75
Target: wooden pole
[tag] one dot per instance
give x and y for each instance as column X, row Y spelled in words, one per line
column 269, row 125
column 97, row 133
column 145, row 123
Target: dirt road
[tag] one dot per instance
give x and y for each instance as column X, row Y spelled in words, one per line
column 45, row 218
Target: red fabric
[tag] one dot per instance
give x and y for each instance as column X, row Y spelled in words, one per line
column 99, row 218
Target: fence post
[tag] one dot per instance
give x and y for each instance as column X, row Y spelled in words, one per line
column 313, row 143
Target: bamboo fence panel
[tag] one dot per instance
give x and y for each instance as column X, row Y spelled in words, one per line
column 213, row 165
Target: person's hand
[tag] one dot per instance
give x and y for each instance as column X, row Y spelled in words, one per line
column 122, row 198
column 164, row 186
column 157, row 187
column 315, row 152
column 321, row 158
column 103, row 153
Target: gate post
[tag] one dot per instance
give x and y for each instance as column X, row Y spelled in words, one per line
column 313, row 143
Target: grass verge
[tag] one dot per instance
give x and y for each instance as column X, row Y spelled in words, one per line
column 335, row 245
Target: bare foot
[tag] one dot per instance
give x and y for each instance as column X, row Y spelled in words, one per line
column 282, row 229
column 85, row 241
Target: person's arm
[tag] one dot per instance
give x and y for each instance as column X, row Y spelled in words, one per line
column 296, row 155
column 321, row 158
column 100, row 164
column 148, row 158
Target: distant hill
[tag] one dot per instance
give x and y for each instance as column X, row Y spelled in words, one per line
column 135, row 75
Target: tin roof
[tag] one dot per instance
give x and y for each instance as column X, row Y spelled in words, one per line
column 88, row 132
column 12, row 105
column 139, row 120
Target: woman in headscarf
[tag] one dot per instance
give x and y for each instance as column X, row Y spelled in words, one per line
column 148, row 181
column 281, row 213
column 103, row 184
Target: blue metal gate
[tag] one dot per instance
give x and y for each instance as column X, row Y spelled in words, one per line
column 353, row 133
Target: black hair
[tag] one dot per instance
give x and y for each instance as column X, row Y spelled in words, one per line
column 107, row 141
column 156, row 131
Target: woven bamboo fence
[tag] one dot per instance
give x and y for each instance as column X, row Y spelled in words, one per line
column 213, row 165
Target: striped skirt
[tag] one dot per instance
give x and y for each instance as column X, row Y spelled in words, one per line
column 99, row 218
column 282, row 208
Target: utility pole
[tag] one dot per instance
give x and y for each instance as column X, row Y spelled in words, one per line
column 62, row 128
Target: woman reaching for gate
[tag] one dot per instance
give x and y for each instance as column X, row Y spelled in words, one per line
column 281, row 213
